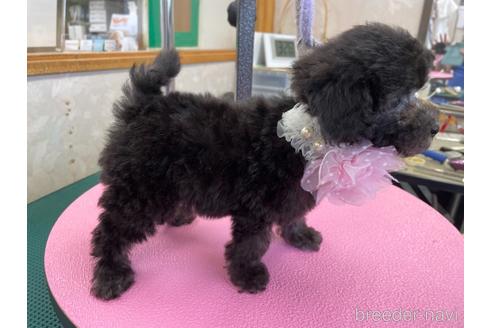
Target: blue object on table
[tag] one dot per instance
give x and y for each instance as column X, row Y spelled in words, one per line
column 435, row 155
column 458, row 79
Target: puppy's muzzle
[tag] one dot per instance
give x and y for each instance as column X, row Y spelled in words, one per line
column 433, row 110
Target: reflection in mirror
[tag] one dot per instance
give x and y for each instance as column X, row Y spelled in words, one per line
column 125, row 25
column 445, row 37
column 198, row 24
column 103, row 25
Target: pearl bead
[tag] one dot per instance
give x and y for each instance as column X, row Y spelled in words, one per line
column 306, row 132
column 318, row 146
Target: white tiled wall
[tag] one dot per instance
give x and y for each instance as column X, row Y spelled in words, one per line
column 68, row 115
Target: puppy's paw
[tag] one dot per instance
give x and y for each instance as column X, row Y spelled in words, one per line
column 110, row 282
column 305, row 238
column 251, row 278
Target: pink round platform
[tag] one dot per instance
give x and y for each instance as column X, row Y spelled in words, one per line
column 395, row 255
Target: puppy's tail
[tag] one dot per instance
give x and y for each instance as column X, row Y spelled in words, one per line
column 148, row 79
column 145, row 82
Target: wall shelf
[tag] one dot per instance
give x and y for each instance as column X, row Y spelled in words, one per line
column 55, row 63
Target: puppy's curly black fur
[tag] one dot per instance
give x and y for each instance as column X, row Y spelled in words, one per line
column 171, row 157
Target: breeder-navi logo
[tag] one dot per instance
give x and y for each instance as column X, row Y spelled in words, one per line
column 399, row 314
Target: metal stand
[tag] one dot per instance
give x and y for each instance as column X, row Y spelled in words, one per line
column 167, row 31
column 304, row 21
column 446, row 198
column 245, row 44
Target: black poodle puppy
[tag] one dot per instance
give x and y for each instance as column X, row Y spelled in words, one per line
column 172, row 157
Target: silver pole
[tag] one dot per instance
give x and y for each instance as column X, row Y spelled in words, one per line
column 245, row 35
column 304, row 21
column 167, row 30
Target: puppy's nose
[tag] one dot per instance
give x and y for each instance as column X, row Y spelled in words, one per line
column 434, row 130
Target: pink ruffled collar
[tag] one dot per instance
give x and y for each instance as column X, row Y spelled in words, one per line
column 347, row 174
column 350, row 174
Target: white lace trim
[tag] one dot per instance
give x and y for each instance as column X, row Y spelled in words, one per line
column 302, row 131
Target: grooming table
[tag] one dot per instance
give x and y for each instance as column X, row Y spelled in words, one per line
column 394, row 254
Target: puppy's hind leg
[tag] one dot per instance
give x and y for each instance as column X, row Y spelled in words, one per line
column 299, row 235
column 126, row 220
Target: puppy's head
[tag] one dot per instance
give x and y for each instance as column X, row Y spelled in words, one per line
column 362, row 84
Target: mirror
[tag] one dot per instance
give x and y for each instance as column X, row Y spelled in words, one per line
column 125, row 25
column 445, row 37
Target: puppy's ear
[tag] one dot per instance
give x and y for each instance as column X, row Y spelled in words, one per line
column 342, row 102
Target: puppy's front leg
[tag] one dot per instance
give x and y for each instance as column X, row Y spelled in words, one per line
column 250, row 241
column 299, row 235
